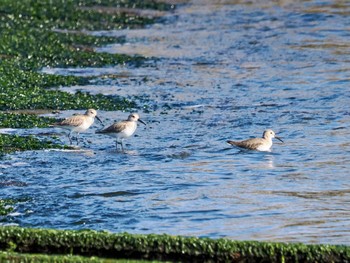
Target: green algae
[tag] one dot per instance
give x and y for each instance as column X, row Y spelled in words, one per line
column 10, row 257
column 14, row 120
column 67, row 14
column 17, row 257
column 12, row 143
column 163, row 247
column 6, row 206
column 29, row 43
column 23, row 89
column 32, row 49
column 140, row 4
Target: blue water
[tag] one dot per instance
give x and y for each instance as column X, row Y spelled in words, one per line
column 224, row 71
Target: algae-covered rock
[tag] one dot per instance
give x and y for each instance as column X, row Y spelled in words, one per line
column 163, row 247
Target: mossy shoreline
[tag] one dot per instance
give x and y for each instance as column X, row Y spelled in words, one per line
column 52, row 34
column 88, row 243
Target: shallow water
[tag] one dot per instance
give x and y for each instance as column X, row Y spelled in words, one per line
column 227, row 70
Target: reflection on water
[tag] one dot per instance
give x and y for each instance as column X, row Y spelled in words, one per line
column 227, row 70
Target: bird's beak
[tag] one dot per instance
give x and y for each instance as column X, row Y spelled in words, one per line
column 278, row 138
column 98, row 119
column 142, row 122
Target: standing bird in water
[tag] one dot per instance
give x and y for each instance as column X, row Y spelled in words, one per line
column 78, row 123
column 259, row 144
column 123, row 129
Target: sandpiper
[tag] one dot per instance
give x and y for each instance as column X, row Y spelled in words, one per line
column 259, row 144
column 123, row 129
column 78, row 123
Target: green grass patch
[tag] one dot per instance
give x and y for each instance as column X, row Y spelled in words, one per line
column 163, row 247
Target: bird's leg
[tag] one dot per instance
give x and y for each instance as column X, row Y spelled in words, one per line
column 77, row 138
column 69, row 137
column 116, row 145
column 121, row 142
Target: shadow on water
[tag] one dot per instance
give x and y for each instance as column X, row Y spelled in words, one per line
column 226, row 70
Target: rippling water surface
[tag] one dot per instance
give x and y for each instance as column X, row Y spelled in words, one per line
column 226, row 70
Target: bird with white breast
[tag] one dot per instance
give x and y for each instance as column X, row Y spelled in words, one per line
column 78, row 123
column 123, row 129
column 259, row 144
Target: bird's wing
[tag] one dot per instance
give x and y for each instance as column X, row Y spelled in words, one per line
column 75, row 120
column 248, row 144
column 115, row 128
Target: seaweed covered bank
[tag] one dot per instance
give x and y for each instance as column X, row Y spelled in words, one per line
column 159, row 247
column 56, row 34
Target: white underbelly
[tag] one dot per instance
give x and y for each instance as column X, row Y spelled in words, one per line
column 264, row 147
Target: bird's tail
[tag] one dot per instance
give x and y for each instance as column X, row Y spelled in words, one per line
column 232, row 142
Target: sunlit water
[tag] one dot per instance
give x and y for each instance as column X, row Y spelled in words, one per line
column 226, row 70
